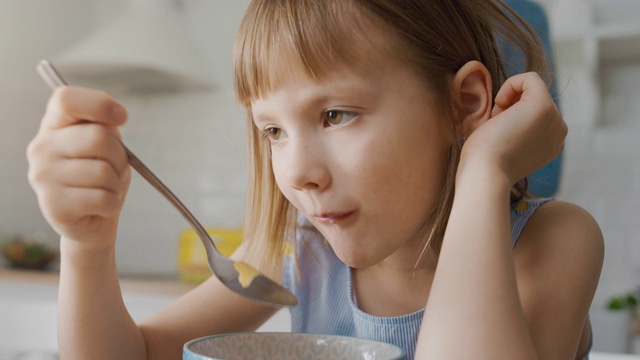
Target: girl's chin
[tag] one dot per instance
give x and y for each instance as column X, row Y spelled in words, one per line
column 356, row 253
column 355, row 258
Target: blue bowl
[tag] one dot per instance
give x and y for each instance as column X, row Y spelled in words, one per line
column 282, row 346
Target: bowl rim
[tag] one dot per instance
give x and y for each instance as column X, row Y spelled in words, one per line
column 401, row 355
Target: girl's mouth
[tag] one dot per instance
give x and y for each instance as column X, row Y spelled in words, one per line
column 334, row 217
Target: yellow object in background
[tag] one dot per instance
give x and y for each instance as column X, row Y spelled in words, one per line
column 192, row 257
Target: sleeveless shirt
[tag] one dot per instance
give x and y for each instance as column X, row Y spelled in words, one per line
column 327, row 301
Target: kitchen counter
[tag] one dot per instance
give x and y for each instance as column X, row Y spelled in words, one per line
column 28, row 308
column 605, row 356
column 161, row 285
column 28, row 305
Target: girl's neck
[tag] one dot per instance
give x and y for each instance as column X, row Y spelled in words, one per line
column 377, row 288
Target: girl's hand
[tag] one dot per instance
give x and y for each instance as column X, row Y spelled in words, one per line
column 77, row 168
column 525, row 130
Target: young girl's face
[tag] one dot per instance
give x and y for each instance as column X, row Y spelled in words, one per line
column 361, row 152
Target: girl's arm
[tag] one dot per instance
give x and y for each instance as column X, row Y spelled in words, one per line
column 479, row 306
column 80, row 174
column 474, row 310
column 93, row 322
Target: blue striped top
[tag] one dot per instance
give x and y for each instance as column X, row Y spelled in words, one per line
column 326, row 298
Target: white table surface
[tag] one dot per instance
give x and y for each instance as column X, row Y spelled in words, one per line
column 41, row 291
column 607, row 356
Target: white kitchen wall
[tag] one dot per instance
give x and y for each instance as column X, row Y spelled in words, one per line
column 29, row 30
column 195, row 142
column 603, row 175
column 598, row 61
column 602, row 155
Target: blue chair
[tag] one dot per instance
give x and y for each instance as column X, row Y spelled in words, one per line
column 545, row 181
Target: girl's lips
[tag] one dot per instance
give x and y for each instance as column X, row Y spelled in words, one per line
column 334, row 218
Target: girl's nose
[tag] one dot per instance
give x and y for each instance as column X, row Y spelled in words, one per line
column 307, row 168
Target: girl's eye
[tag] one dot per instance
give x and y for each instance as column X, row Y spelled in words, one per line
column 338, row 117
column 272, row 133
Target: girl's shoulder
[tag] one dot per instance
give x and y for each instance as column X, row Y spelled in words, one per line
column 562, row 237
column 558, row 260
column 559, row 225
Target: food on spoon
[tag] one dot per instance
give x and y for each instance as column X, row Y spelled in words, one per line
column 246, row 273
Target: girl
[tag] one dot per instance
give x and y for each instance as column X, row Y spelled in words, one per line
column 387, row 151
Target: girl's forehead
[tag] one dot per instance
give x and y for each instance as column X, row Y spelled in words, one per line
column 297, row 87
column 269, row 53
column 344, row 83
column 360, row 65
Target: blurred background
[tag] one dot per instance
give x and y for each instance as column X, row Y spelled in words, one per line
column 169, row 62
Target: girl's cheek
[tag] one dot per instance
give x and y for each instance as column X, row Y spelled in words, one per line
column 278, row 173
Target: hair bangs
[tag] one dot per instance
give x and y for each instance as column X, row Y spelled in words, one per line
column 277, row 39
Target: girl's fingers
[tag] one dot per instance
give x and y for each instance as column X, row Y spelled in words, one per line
column 69, row 190
column 92, row 141
column 78, row 173
column 87, row 141
column 517, row 87
column 525, row 130
column 72, row 105
column 85, row 173
column 77, row 166
column 65, row 206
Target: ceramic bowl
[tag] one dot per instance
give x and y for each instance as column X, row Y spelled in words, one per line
column 284, row 346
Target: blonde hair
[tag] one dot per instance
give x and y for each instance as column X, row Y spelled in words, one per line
column 433, row 37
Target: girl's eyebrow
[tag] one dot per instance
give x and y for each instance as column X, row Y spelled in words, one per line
column 345, row 96
column 259, row 118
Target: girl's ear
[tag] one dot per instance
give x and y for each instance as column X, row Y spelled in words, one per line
column 472, row 93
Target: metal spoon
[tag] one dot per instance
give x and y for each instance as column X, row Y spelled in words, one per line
column 236, row 275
